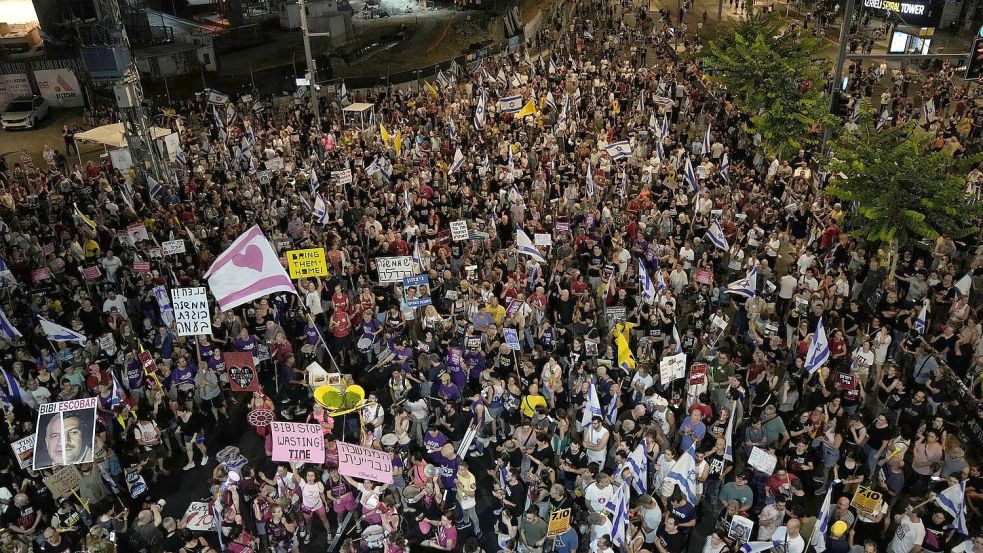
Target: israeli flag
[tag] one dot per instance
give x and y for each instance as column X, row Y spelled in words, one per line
column 619, row 150
column 320, row 210
column 952, row 500
column 593, row 407
column 164, row 305
column 683, row 474
column 729, row 436
column 480, row 115
column 619, row 521
column 458, row 161
column 638, row 465
column 641, row 102
column 525, row 246
column 660, row 281
column 921, row 321
column 665, row 125
column 690, row 175
column 822, row 524
column 883, row 120
column 654, row 126
column 818, row 353
column 624, row 184
column 648, row 288
column 760, row 546
column 550, row 101
column 153, row 187
column 715, row 234
column 611, row 412
column 660, row 153
column 417, row 258
column 725, row 168
column 7, row 330
column 590, row 181
column 116, row 397
column 385, row 169
column 451, row 129
column 744, row 286
column 512, row 104
column 677, row 340
column 58, row 333
column 14, row 391
column 706, row 142
column 963, row 284
column 562, row 117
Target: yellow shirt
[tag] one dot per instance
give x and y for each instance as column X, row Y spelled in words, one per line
column 91, row 248
column 497, row 313
column 530, row 403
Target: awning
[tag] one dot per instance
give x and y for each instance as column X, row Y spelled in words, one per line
column 112, row 135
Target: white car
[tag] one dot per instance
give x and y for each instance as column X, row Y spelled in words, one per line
column 24, row 112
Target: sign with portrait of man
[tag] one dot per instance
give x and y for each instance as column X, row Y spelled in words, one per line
column 65, row 433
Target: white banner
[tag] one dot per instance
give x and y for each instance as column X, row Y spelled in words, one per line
column 13, row 86
column 172, row 247
column 199, row 517
column 672, row 367
column 59, row 87
column 459, row 230
column 191, row 311
column 394, row 269
column 344, row 176
column 172, row 143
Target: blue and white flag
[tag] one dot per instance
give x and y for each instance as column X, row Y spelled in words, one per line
column 690, row 175
column 638, row 464
column 58, row 333
column 648, row 287
column 921, row 323
column 883, row 120
column 655, row 127
column 590, row 181
column 665, row 125
column 660, row 281
column 683, row 474
column 725, row 168
column 458, row 161
column 480, row 115
column 525, row 246
column 7, row 331
column 745, row 286
column 619, row 150
column 385, row 169
column 320, row 210
column 660, row 153
column 729, row 435
column 593, row 407
column 417, row 258
column 13, row 390
column 822, row 524
column 760, row 546
column 619, row 521
column 818, row 353
column 624, row 184
column 116, row 397
column 952, row 500
column 611, row 412
column 511, row 104
column 164, row 304
column 963, row 285
column 550, row 101
column 679, row 343
column 153, row 187
column 706, row 141
column 715, row 234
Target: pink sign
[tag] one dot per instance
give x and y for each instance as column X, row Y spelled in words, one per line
column 43, row 273
column 141, row 266
column 703, row 276
column 296, row 442
column 360, row 462
column 91, row 273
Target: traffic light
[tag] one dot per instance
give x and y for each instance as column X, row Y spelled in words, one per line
column 974, row 67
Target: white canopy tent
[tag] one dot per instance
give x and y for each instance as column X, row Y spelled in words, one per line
column 358, row 113
column 112, row 135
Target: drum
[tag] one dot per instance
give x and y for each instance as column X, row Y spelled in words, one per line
column 364, row 344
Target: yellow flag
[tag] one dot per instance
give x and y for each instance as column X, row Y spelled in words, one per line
column 398, row 141
column 617, row 107
column 430, row 88
column 385, row 134
column 85, row 220
column 626, row 359
column 528, row 109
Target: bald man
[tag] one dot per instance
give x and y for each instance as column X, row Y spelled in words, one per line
column 791, row 536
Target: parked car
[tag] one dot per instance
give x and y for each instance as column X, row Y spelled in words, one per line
column 24, row 112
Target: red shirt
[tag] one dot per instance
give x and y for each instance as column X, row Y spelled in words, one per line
column 342, row 326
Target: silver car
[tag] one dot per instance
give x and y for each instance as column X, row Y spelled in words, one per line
column 24, row 112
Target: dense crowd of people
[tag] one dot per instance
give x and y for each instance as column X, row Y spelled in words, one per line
column 689, row 242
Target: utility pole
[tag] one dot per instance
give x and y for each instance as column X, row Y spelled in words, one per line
column 311, row 69
column 838, row 69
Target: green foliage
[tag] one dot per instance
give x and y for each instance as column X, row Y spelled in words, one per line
column 903, row 190
column 765, row 68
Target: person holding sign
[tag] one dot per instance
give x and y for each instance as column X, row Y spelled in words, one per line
column 67, row 439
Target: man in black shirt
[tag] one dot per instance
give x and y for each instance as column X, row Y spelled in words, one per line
column 911, row 413
column 59, row 542
column 669, row 538
column 573, row 462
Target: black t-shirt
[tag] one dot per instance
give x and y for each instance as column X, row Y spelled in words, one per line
column 68, row 544
column 576, row 460
column 717, row 464
column 877, row 436
column 671, row 542
column 19, row 516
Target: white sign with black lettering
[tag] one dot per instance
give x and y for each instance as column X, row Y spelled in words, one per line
column 343, row 176
column 274, row 164
column 191, row 311
column 541, row 239
column 172, row 247
column 394, row 269
column 459, row 230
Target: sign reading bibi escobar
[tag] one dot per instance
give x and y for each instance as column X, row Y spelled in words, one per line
column 295, row 442
column 65, row 433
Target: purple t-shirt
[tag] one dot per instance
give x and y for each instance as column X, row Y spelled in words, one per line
column 247, row 345
column 186, row 375
column 431, row 441
column 446, row 469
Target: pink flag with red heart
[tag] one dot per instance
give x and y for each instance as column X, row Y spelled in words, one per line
column 247, row 270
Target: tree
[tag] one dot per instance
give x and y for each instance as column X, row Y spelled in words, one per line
column 775, row 76
column 903, row 190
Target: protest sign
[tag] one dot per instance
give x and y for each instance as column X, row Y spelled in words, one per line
column 172, row 247
column 866, row 501
column 459, row 230
column 141, row 266
column 703, row 276
column 199, row 517
column 762, row 461
column 359, row 462
column 91, row 273
column 191, row 311
column 295, row 442
column 344, row 176
column 24, row 450
column 307, row 263
column 416, row 291
column 394, row 269
column 65, row 433
column 242, row 372
column 672, row 367
column 740, row 528
column 136, row 233
column 541, row 239
column 274, row 164
column 615, row 314
column 512, row 339
column 63, row 482
column 42, row 274
column 559, row 522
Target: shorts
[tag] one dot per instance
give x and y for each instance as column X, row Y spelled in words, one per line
column 260, row 528
column 308, row 513
column 346, row 503
column 200, row 440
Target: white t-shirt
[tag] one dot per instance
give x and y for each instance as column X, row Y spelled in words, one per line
column 907, row 535
column 793, row 545
column 595, row 437
column 598, row 498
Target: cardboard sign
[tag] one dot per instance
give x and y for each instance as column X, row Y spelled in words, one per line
column 394, row 269
column 867, row 501
column 308, row 263
column 141, row 266
column 512, row 339
column 344, row 176
column 242, row 372
column 199, row 517
column 64, row 482
column 762, row 461
column 295, row 442
column 172, row 247
column 740, row 528
column 264, row 177
column 147, row 362
column 514, row 306
column 359, row 462
column 672, row 367
column 459, row 231
column 91, row 273
column 24, row 450
column 48, row 249
column 703, row 276
column 541, row 239
column 56, row 421
column 846, row 380
column 416, row 291
column 559, row 523
column 191, row 313
column 108, row 344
